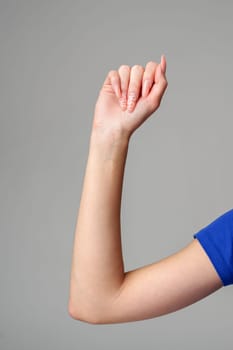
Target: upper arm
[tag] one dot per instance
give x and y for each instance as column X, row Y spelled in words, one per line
column 165, row 286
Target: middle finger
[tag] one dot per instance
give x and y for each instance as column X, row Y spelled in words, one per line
column 135, row 84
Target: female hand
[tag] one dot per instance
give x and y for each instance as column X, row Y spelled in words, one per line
column 128, row 97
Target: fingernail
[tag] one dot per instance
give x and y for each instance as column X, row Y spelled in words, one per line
column 145, row 88
column 131, row 101
column 123, row 101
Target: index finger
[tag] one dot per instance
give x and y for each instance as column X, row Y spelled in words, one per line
column 158, row 88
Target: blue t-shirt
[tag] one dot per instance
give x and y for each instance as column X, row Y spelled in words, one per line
column 217, row 240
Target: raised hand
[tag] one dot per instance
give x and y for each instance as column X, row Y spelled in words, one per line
column 128, row 97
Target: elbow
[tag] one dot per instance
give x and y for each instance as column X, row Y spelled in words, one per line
column 79, row 315
column 72, row 311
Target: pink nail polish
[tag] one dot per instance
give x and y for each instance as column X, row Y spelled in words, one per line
column 131, row 100
column 123, row 102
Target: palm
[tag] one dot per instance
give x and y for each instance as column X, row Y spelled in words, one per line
column 110, row 116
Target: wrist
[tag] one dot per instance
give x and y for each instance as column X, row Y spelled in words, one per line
column 109, row 145
column 110, row 137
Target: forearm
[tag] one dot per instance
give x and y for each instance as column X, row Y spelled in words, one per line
column 97, row 266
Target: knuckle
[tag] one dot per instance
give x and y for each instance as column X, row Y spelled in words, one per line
column 112, row 73
column 114, row 77
column 151, row 63
column 124, row 67
column 133, row 93
column 164, row 79
column 165, row 83
column 148, row 78
column 137, row 67
column 154, row 103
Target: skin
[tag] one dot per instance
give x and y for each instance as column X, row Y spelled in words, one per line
column 101, row 291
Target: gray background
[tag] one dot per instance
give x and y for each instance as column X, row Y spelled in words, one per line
column 178, row 177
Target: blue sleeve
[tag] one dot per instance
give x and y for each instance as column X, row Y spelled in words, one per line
column 217, row 240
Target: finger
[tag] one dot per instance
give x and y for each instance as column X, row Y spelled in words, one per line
column 163, row 68
column 148, row 77
column 158, row 73
column 124, row 73
column 135, row 84
column 163, row 63
column 115, row 82
column 159, row 87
